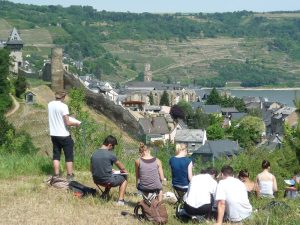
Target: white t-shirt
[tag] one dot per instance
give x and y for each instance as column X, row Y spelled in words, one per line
column 200, row 189
column 234, row 192
column 56, row 112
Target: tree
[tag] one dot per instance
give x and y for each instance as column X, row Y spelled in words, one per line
column 248, row 132
column 201, row 120
column 214, row 98
column 5, row 100
column 151, row 99
column 164, row 100
column 176, row 113
column 215, row 132
column 20, row 85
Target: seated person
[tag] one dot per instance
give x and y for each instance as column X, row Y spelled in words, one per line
column 102, row 161
column 149, row 172
column 198, row 200
column 266, row 181
column 232, row 198
column 292, row 191
column 181, row 168
column 250, row 185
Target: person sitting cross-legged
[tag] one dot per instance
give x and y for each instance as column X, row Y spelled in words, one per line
column 102, row 161
column 149, row 172
column 232, row 198
column 198, row 200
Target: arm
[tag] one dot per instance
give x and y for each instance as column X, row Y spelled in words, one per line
column 275, row 189
column 69, row 123
column 257, row 186
column 160, row 170
column 137, row 172
column 120, row 166
column 221, row 211
column 190, row 171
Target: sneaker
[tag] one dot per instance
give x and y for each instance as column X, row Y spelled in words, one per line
column 121, row 203
column 70, row 177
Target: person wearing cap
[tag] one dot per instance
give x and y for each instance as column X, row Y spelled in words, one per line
column 59, row 121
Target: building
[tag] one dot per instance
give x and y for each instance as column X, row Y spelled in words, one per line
column 212, row 150
column 15, row 44
column 194, row 138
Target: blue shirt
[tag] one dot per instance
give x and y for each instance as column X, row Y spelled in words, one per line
column 179, row 168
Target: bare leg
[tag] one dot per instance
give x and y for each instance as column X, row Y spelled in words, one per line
column 160, row 195
column 56, row 166
column 122, row 190
column 69, row 168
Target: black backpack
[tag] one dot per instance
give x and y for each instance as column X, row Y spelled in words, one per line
column 81, row 190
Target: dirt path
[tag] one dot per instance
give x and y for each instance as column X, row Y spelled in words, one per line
column 15, row 108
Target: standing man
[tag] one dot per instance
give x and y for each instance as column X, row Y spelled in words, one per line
column 232, row 198
column 102, row 161
column 58, row 113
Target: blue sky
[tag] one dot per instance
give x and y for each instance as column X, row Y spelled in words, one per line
column 160, row 6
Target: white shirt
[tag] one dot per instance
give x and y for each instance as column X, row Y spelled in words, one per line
column 200, row 189
column 56, row 112
column 234, row 192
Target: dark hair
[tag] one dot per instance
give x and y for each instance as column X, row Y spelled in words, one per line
column 110, row 140
column 265, row 164
column 211, row 171
column 227, row 171
column 243, row 173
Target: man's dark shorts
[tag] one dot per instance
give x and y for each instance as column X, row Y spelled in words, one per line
column 65, row 143
column 115, row 180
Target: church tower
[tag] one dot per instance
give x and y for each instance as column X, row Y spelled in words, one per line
column 15, row 44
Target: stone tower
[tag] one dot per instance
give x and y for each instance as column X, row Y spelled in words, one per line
column 147, row 73
column 57, row 72
column 15, row 44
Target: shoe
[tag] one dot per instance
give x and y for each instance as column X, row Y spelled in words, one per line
column 121, row 203
column 70, row 177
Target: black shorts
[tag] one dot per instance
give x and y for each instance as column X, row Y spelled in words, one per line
column 114, row 181
column 65, row 143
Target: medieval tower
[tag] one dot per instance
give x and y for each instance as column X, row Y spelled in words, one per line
column 15, row 44
column 147, row 73
column 57, row 72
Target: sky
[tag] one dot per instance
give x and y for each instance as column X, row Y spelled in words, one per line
column 171, row 6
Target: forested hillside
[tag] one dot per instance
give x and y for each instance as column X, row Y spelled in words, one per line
column 206, row 49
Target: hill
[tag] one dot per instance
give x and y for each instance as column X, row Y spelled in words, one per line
column 255, row 49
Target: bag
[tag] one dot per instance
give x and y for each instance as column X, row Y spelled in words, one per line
column 155, row 212
column 81, row 190
column 58, row 182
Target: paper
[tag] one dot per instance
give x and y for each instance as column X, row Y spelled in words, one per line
column 119, row 172
column 73, row 120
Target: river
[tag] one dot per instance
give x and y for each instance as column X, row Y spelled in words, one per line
column 285, row 96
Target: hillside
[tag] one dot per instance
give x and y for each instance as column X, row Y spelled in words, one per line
column 28, row 116
column 254, row 49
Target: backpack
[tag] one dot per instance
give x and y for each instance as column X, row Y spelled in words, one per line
column 57, row 182
column 81, row 190
column 155, row 211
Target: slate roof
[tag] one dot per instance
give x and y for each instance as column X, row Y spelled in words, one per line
column 154, row 125
column 238, row 115
column 189, row 135
column 197, row 105
column 14, row 38
column 218, row 148
column 229, row 110
column 208, row 109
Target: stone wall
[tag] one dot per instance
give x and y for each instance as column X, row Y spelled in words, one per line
column 98, row 101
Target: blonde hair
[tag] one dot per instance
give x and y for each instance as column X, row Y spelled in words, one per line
column 180, row 147
column 142, row 147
